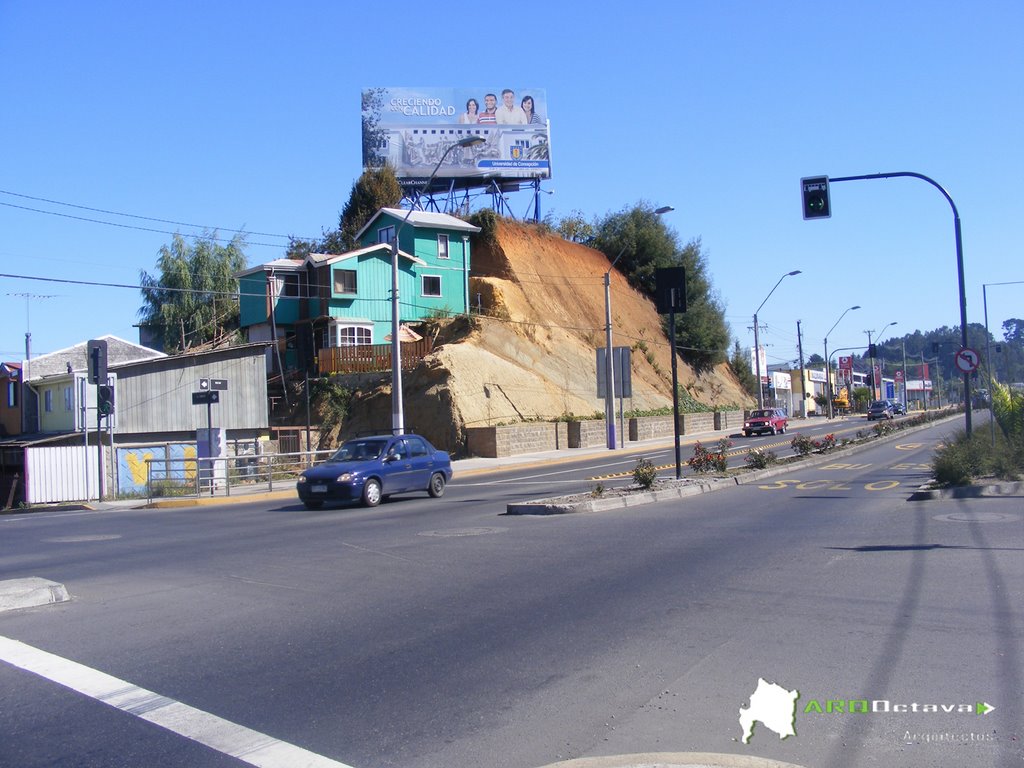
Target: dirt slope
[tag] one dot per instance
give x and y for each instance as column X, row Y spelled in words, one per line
column 533, row 355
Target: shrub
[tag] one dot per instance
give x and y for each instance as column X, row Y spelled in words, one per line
column 959, row 461
column 826, row 444
column 644, row 473
column 801, row 444
column 760, row 458
column 704, row 460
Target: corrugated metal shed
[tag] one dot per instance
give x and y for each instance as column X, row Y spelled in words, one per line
column 155, row 396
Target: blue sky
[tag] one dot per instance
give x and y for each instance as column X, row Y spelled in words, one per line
column 246, row 116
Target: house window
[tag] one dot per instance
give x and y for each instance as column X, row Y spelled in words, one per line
column 344, row 281
column 431, row 285
column 338, row 335
column 442, row 246
column 69, row 402
column 385, row 234
column 48, row 401
column 12, row 394
column 291, row 285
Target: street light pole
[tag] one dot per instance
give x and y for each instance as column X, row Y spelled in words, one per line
column 397, row 409
column 873, row 382
column 828, row 366
column 609, row 368
column 757, row 345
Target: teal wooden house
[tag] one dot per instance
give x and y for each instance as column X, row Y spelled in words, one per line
column 339, row 301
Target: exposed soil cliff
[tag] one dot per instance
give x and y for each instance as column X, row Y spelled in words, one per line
column 531, row 354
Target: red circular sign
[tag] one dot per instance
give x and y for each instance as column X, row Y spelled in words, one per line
column 967, row 360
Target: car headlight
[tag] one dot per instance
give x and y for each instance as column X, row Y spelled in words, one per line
column 302, row 479
column 344, row 477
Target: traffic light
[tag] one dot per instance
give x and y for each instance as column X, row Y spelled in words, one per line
column 872, row 350
column 105, row 399
column 96, row 356
column 815, row 197
column 935, row 347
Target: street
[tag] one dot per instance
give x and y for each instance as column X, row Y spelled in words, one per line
column 444, row 633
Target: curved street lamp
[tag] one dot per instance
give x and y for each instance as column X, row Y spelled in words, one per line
column 397, row 410
column 757, row 345
column 609, row 368
column 828, row 368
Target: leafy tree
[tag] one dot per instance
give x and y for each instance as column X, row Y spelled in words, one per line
column 646, row 245
column 375, row 189
column 816, row 359
column 740, row 364
column 195, row 298
column 575, row 228
column 373, row 105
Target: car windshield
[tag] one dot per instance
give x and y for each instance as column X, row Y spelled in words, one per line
column 760, row 414
column 879, row 404
column 359, row 450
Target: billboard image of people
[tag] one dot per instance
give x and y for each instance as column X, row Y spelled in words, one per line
column 412, row 128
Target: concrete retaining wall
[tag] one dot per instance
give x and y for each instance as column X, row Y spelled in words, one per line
column 695, row 423
column 650, row 427
column 728, row 419
column 587, row 434
column 515, row 439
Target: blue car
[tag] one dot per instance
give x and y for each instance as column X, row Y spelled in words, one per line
column 369, row 469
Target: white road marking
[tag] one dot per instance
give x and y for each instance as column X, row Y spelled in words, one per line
column 215, row 732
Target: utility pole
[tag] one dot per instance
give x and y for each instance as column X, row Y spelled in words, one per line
column 803, row 373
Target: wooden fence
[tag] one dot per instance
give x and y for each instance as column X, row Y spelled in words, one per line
column 369, row 358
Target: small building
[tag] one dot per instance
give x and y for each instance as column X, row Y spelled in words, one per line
column 10, row 399
column 344, row 300
column 154, row 417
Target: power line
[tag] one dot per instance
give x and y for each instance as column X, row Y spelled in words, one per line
column 133, row 216
column 237, row 294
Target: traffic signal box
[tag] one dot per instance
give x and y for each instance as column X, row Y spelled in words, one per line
column 815, row 197
column 105, row 399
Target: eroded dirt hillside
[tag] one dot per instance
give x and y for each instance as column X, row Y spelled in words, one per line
column 531, row 355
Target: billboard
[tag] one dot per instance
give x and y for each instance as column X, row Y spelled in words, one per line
column 413, row 128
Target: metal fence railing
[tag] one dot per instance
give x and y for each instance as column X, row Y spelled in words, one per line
column 222, row 476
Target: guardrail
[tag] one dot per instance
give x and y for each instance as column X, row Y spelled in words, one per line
column 221, row 476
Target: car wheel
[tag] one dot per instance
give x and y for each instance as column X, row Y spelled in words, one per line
column 371, row 493
column 747, row 434
column 771, row 430
column 313, row 503
column 436, row 487
column 782, row 430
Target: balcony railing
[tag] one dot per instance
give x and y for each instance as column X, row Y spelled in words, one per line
column 371, row 358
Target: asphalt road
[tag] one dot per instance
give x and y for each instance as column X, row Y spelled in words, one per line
column 444, row 633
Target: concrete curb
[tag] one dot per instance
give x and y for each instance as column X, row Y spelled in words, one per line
column 673, row 760
column 989, row 490
column 693, row 487
column 211, row 501
column 554, row 507
column 30, row 593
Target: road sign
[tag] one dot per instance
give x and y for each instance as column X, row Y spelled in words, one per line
column 899, row 375
column 967, row 360
column 219, row 384
column 205, row 398
column 204, row 385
